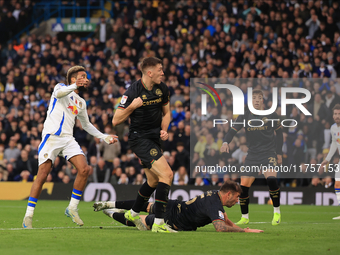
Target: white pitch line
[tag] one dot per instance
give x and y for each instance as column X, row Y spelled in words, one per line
column 294, row 222
column 65, row 228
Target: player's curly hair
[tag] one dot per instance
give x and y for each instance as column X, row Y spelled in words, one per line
column 231, row 186
column 72, row 72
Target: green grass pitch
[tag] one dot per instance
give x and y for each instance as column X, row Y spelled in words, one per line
column 304, row 230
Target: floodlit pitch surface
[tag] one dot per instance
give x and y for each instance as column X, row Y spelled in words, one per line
column 304, row 230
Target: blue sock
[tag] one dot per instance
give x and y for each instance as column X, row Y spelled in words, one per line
column 32, row 202
column 75, row 199
column 337, row 192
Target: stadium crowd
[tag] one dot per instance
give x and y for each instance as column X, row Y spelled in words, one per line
column 205, row 39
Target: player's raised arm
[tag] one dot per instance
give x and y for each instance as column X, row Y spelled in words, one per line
column 61, row 90
column 231, row 133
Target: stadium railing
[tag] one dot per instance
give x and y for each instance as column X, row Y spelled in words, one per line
column 45, row 10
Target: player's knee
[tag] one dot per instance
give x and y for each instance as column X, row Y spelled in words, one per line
column 84, row 170
column 153, row 182
column 169, row 175
column 337, row 185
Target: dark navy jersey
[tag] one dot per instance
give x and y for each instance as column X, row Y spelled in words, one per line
column 195, row 213
column 259, row 139
column 146, row 119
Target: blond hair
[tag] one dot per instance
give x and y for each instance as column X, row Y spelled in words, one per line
column 72, row 72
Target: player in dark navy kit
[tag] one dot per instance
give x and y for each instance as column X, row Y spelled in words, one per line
column 146, row 102
column 264, row 150
column 187, row 215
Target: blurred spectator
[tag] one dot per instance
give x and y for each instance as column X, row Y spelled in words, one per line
column 181, row 176
column 123, row 179
column 25, row 167
column 217, row 40
column 101, row 172
column 103, row 31
column 139, row 180
column 12, row 153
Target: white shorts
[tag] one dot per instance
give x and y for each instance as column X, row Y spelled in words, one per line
column 337, row 173
column 53, row 146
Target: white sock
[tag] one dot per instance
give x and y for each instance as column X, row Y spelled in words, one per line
column 73, row 203
column 112, row 204
column 245, row 216
column 159, row 221
column 337, row 192
column 29, row 211
column 277, row 209
column 133, row 213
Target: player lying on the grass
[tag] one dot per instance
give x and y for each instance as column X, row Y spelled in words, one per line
column 186, row 215
column 335, row 133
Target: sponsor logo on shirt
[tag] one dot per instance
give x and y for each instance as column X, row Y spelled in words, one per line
column 73, row 109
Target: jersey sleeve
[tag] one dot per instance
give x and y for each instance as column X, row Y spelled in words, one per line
column 214, row 209
column 126, row 99
column 87, row 125
column 234, row 129
column 333, row 147
column 61, row 90
column 166, row 95
column 277, row 124
column 279, row 134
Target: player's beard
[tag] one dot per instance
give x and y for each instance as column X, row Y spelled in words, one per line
column 83, row 89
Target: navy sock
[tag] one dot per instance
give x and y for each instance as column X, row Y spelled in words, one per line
column 161, row 199
column 143, row 197
column 274, row 190
column 244, row 200
column 120, row 218
column 128, row 204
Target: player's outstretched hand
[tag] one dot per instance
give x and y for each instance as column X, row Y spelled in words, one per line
column 164, row 135
column 249, row 230
column 224, row 148
column 110, row 139
column 81, row 82
column 323, row 164
column 137, row 102
column 279, row 159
